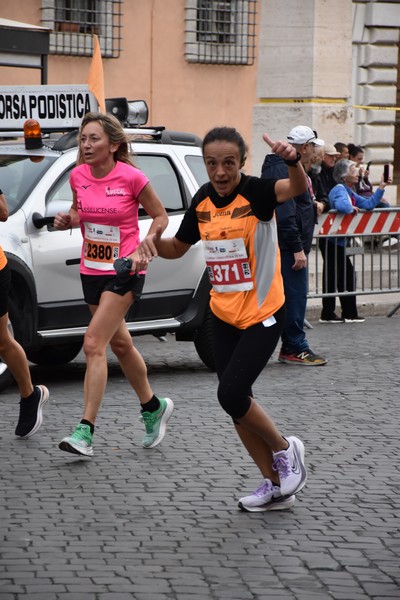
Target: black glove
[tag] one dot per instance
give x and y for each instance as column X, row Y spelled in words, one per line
column 123, row 268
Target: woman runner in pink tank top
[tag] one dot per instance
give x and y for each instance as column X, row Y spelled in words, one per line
column 107, row 191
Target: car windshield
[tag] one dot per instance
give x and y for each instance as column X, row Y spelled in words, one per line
column 19, row 175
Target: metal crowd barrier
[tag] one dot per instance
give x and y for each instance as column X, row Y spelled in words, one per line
column 372, row 251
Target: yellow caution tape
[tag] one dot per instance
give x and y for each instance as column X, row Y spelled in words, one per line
column 376, row 107
column 323, row 101
column 303, row 100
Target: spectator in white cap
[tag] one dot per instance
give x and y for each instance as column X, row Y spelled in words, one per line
column 295, row 220
column 304, row 135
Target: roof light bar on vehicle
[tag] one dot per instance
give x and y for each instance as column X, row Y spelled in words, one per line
column 32, row 134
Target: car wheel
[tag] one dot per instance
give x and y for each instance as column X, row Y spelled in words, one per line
column 204, row 341
column 6, row 377
column 54, row 354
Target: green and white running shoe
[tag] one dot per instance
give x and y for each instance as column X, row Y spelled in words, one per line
column 80, row 442
column 156, row 423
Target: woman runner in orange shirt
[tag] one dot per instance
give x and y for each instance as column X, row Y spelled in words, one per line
column 233, row 214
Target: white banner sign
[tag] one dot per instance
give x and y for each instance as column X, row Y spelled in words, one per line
column 54, row 106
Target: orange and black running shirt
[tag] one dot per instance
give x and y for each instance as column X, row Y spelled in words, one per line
column 3, row 259
column 240, row 244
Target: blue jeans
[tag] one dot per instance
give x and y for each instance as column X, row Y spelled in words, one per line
column 295, row 285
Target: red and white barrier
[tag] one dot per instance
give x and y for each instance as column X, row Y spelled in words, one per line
column 375, row 222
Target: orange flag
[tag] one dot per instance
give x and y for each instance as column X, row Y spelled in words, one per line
column 95, row 78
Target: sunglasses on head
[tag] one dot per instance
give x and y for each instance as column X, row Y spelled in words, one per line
column 310, row 141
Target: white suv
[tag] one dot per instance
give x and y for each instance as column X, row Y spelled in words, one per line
column 47, row 313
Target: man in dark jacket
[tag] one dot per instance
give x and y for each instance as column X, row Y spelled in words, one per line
column 323, row 185
column 295, row 220
column 325, row 177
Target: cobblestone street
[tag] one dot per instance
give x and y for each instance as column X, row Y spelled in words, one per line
column 163, row 524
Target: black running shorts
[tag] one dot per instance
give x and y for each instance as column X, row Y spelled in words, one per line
column 94, row 285
column 5, row 282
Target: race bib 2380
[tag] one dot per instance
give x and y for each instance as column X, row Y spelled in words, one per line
column 101, row 246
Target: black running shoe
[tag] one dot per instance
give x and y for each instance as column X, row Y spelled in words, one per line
column 31, row 412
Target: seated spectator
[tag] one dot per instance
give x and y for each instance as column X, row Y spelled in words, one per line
column 340, row 270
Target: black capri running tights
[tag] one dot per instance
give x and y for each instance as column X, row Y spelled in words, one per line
column 241, row 355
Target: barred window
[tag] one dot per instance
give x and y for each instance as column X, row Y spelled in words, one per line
column 220, row 31
column 73, row 23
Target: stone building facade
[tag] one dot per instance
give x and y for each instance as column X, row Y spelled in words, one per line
column 335, row 67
